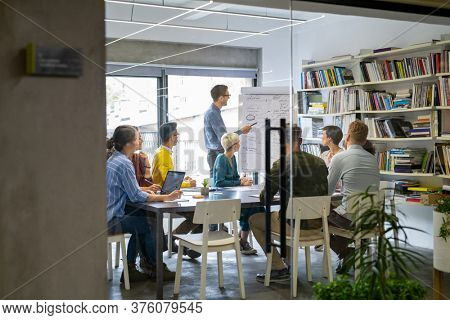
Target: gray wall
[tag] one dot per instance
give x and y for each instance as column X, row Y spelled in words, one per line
column 52, row 158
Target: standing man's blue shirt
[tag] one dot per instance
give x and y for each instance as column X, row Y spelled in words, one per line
column 214, row 128
column 121, row 185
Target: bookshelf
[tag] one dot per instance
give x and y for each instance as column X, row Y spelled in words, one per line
column 429, row 74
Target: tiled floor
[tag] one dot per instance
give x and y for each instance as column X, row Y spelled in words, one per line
column 190, row 281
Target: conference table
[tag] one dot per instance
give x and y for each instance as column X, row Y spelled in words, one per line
column 249, row 197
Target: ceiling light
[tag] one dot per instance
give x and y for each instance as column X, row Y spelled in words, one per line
column 245, row 15
column 187, row 27
column 160, row 23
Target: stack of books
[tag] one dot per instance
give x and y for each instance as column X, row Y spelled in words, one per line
column 343, row 100
column 442, row 158
column 388, row 128
column 400, row 69
column 317, row 107
column 402, row 99
column 306, row 98
column 335, row 76
column 421, row 127
column 424, row 95
column 404, row 160
column 444, row 92
column 312, row 148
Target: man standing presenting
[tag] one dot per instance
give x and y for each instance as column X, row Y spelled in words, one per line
column 214, row 127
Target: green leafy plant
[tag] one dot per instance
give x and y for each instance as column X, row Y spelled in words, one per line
column 205, row 183
column 385, row 275
column 443, row 206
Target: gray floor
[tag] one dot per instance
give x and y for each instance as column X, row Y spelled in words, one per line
column 190, row 280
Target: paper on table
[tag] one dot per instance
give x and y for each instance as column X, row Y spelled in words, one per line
column 178, row 200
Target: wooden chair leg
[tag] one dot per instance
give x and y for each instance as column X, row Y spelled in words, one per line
column 240, row 270
column 176, row 287
column 109, row 262
column 294, row 265
column 203, row 275
column 327, row 262
column 308, row 262
column 116, row 264
column 220, row 268
column 268, row 268
column 358, row 257
column 126, row 276
column 438, row 279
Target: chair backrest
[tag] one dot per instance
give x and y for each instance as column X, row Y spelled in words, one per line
column 217, row 211
column 388, row 187
column 357, row 204
column 308, row 207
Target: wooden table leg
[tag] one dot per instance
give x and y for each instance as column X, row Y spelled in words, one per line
column 159, row 256
column 438, row 278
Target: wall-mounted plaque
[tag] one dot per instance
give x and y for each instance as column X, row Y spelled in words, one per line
column 60, row 62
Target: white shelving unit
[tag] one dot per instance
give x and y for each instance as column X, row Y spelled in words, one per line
column 353, row 63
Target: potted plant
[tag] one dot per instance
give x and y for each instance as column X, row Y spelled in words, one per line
column 385, row 276
column 441, row 235
column 204, row 191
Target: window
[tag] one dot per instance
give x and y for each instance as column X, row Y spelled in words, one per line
column 133, row 101
column 189, row 98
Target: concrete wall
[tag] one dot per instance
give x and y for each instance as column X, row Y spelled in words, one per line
column 52, row 158
column 136, row 51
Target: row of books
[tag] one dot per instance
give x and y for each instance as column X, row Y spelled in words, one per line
column 442, row 158
column 399, row 127
column 343, row 100
column 444, row 91
column 335, row 76
column 400, row 69
column 312, row 148
column 406, row 160
column 425, row 95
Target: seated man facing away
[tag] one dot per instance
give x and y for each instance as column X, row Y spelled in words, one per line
column 309, row 180
column 225, row 174
column 162, row 163
column 358, row 170
column 122, row 186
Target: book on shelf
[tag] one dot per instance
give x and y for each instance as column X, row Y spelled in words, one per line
column 384, row 70
column 388, row 128
column 421, row 127
column 444, row 123
column 312, row 148
column 306, row 98
column 343, row 100
column 424, row 95
column 442, row 160
column 324, row 78
column 405, row 160
column 444, row 91
column 385, row 49
column 445, row 58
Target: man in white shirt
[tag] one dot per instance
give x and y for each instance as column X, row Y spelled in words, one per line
column 358, row 170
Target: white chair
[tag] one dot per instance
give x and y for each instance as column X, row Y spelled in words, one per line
column 356, row 205
column 305, row 209
column 388, row 187
column 206, row 213
column 119, row 239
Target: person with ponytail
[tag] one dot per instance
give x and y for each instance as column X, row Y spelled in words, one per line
column 122, row 186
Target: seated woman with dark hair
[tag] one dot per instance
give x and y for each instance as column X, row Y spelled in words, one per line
column 225, row 174
column 331, row 137
column 122, row 186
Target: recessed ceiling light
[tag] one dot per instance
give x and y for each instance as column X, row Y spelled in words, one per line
column 187, row 27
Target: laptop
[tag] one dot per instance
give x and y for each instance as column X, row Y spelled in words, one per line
column 173, row 181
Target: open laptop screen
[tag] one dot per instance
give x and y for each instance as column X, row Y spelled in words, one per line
column 173, row 181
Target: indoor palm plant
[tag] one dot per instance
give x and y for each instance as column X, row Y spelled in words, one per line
column 386, row 275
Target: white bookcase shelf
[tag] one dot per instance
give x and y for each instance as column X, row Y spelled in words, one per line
column 395, row 110
column 413, row 174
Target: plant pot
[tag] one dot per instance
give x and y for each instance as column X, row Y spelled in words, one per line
column 441, row 248
column 204, row 191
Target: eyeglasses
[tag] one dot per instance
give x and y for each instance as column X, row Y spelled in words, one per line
column 227, row 95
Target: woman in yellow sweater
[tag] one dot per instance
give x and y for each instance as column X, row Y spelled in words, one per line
column 162, row 163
